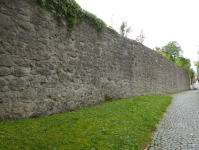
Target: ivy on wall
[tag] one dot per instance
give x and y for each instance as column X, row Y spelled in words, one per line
column 73, row 13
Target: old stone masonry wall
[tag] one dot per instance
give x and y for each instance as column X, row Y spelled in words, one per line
column 42, row 71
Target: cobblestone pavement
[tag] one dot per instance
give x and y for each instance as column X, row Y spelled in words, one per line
column 179, row 128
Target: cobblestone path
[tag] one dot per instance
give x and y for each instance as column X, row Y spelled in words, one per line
column 179, row 128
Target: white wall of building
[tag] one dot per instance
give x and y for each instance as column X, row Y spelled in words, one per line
column 197, row 85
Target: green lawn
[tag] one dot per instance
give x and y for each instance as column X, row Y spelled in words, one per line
column 120, row 125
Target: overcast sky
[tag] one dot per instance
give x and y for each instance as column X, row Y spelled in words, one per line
column 162, row 20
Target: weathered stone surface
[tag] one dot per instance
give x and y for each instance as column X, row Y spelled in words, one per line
column 6, row 60
column 21, row 61
column 6, row 21
column 2, row 83
column 4, row 113
column 4, row 71
column 18, row 84
column 8, row 96
column 35, row 84
column 34, row 72
column 5, row 89
column 64, row 77
column 19, row 71
column 41, row 93
column 68, row 68
column 28, row 95
column 49, row 84
column 42, row 71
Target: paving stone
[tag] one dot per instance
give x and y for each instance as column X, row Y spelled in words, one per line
column 179, row 127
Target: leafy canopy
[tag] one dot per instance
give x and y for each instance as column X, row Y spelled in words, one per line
column 173, row 49
column 191, row 73
column 184, row 63
column 173, row 52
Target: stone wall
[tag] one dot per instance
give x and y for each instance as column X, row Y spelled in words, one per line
column 42, row 71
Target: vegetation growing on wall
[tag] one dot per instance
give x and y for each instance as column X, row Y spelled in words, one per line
column 141, row 37
column 124, row 29
column 73, row 13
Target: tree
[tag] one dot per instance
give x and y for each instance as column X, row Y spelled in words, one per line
column 157, row 49
column 140, row 38
column 173, row 49
column 197, row 76
column 124, row 30
column 191, row 74
column 184, row 63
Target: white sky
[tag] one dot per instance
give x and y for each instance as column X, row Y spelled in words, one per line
column 162, row 20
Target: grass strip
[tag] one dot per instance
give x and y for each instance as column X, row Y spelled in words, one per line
column 118, row 125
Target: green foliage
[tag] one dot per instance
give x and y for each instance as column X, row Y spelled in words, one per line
column 157, row 49
column 124, row 124
column 173, row 52
column 94, row 21
column 196, row 63
column 73, row 13
column 112, row 30
column 191, row 73
column 124, row 29
column 173, row 49
column 184, row 63
column 197, row 76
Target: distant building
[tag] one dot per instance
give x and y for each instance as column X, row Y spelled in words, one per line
column 193, row 83
column 197, row 82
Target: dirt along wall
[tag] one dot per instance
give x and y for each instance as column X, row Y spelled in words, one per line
column 42, row 71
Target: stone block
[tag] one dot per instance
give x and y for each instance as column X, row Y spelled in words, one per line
column 4, row 113
column 72, row 62
column 8, row 96
column 35, row 84
column 2, row 83
column 68, row 68
column 20, row 72
column 18, row 84
column 49, row 84
column 41, row 93
column 28, row 95
column 51, row 67
column 25, row 26
column 5, row 89
column 50, row 106
column 44, row 71
column 23, row 62
column 6, row 21
column 64, row 77
column 24, row 36
column 34, row 72
column 4, row 71
column 6, row 60
column 17, row 110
